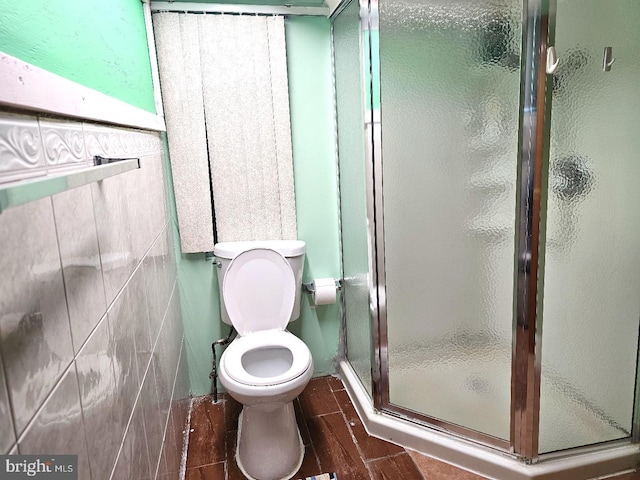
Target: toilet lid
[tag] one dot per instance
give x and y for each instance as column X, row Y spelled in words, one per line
column 259, row 291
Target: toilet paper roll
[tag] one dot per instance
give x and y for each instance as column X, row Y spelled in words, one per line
column 324, row 291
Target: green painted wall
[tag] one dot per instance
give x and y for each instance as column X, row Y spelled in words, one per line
column 315, row 170
column 313, row 137
column 99, row 44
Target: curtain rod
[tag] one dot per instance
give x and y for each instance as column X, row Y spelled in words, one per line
column 192, row 7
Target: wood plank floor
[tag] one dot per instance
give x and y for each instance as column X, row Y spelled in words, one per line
column 335, row 441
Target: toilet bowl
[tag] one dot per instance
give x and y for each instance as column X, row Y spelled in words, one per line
column 265, row 368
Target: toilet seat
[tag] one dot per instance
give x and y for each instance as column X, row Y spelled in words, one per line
column 259, row 291
column 231, row 360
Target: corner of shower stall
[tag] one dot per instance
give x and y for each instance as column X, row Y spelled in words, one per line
column 478, row 458
column 468, row 215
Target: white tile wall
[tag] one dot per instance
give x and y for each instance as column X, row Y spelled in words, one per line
column 90, row 327
column 80, row 257
column 35, row 339
column 58, row 427
column 8, row 437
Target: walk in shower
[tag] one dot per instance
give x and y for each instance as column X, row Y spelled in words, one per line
column 489, row 172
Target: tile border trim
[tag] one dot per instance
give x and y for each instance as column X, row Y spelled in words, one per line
column 33, row 146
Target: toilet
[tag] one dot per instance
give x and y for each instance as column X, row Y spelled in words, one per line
column 265, row 368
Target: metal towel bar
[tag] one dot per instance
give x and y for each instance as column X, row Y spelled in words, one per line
column 24, row 191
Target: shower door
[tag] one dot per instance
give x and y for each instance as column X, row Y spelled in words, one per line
column 591, row 288
column 507, row 196
column 450, row 89
column 350, row 111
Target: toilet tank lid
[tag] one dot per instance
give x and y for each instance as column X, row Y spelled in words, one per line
column 287, row 248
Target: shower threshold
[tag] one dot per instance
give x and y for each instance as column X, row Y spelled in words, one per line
column 583, row 465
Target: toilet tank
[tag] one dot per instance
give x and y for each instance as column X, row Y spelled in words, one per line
column 292, row 250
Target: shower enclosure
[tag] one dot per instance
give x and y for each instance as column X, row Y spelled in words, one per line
column 489, row 171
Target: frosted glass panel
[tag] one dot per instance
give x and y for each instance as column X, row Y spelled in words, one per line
column 592, row 267
column 450, row 83
column 351, row 138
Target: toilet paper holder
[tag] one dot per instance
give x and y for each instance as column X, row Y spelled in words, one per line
column 308, row 287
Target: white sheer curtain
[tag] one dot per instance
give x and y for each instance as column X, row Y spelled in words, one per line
column 232, row 77
column 179, row 66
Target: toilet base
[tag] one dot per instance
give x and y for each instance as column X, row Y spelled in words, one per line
column 269, row 444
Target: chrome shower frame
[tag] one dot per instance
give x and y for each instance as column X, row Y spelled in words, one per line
column 519, row 456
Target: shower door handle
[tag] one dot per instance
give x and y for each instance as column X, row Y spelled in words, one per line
column 607, row 59
column 552, row 60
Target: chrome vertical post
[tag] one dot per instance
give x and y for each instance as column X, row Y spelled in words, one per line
column 533, row 156
column 373, row 151
column 635, row 426
column 342, row 345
